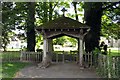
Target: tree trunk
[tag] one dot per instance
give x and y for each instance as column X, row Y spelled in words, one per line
column 92, row 15
column 46, row 18
column 75, row 9
column 50, row 11
column 30, row 27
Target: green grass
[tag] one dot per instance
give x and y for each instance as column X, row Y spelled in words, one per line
column 114, row 53
column 9, row 69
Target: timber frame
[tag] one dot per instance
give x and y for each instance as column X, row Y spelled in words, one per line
column 57, row 28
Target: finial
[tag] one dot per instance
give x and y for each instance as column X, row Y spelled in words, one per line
column 63, row 10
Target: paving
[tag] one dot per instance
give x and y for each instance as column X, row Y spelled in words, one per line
column 57, row 70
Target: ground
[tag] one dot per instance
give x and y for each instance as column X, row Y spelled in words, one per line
column 57, row 70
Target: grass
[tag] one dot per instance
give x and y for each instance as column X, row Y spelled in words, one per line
column 9, row 69
column 114, row 53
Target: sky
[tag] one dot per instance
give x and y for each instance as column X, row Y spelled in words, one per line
column 71, row 11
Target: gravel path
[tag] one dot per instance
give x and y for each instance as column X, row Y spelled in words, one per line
column 57, row 70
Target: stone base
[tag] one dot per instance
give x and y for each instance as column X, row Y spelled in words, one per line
column 81, row 67
column 45, row 63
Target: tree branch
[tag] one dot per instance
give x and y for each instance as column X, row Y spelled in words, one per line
column 110, row 6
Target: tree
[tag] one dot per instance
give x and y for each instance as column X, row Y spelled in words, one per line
column 31, row 27
column 92, row 16
column 8, row 22
column 109, row 22
column 75, row 9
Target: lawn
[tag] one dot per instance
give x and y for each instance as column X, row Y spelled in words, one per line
column 114, row 52
column 9, row 69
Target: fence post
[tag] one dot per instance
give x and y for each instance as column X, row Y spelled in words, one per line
column 117, row 65
column 21, row 55
column 108, row 60
column 91, row 59
column 88, row 59
column 63, row 57
column 113, row 65
column 56, row 57
column 70, row 55
column 9, row 57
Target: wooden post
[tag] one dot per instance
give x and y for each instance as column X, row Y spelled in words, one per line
column 81, row 52
column 56, row 57
column 45, row 48
column 108, row 60
column 70, row 56
column 21, row 55
column 91, row 63
column 63, row 57
column 50, row 49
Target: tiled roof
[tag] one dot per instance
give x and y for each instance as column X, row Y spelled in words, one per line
column 63, row 23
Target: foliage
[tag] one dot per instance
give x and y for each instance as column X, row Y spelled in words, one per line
column 16, row 16
column 64, row 40
column 13, row 17
column 96, row 51
column 109, row 25
column 7, row 15
column 39, row 41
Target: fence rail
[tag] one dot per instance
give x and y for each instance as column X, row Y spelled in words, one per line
column 21, row 56
column 10, row 56
column 57, row 56
column 109, row 66
column 31, row 56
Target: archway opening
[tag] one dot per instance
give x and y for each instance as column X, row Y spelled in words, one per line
column 65, row 48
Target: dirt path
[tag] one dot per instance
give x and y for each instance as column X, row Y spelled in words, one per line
column 59, row 70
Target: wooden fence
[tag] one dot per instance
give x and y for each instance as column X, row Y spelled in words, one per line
column 109, row 66
column 88, row 59
column 31, row 56
column 21, row 56
column 10, row 56
column 57, row 56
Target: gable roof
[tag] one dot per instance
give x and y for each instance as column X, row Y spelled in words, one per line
column 63, row 23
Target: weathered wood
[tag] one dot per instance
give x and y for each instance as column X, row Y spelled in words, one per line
column 63, row 57
column 56, row 57
column 108, row 66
